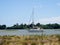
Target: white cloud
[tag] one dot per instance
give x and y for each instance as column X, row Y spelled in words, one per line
column 49, row 20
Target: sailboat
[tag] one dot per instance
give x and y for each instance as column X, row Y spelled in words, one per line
column 34, row 28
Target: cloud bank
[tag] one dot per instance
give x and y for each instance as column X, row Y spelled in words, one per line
column 49, row 20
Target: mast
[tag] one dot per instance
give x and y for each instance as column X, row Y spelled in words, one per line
column 33, row 16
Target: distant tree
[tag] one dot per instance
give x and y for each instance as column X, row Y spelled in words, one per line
column 9, row 28
column 56, row 26
column 25, row 26
column 15, row 26
column 38, row 24
column 2, row 26
column 44, row 27
column 21, row 26
column 49, row 26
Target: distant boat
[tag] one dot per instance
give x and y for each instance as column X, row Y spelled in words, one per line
column 35, row 28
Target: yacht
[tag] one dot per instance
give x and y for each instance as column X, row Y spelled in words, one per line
column 34, row 28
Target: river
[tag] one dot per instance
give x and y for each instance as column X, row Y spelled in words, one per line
column 26, row 32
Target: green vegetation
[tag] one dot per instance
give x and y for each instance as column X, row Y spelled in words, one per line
column 28, row 26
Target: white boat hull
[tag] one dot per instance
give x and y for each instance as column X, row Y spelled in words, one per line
column 35, row 30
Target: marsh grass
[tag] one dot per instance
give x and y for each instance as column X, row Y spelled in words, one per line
column 30, row 40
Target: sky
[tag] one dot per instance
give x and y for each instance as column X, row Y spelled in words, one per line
column 20, row 11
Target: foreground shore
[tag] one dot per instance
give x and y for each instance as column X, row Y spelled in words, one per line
column 30, row 40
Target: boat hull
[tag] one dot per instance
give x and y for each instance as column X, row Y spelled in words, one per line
column 34, row 30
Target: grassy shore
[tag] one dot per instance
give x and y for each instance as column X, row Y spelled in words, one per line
column 30, row 40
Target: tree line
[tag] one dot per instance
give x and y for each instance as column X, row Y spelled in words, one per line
column 28, row 26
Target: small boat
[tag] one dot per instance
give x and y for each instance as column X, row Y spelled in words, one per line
column 34, row 28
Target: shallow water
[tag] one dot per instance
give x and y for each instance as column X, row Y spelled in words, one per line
column 26, row 32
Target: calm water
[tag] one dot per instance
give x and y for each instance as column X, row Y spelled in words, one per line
column 25, row 32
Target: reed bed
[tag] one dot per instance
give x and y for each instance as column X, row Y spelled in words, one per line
column 30, row 40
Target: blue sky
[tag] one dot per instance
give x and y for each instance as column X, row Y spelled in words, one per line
column 20, row 11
